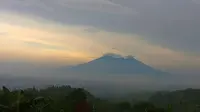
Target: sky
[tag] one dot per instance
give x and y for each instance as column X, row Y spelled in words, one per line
column 161, row 33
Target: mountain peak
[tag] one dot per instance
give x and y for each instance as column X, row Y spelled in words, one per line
column 113, row 55
column 111, row 63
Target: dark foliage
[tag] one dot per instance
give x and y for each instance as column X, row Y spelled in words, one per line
column 64, row 99
column 178, row 101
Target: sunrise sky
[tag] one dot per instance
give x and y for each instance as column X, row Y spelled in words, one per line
column 68, row 32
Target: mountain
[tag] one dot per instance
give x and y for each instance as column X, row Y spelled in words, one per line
column 115, row 64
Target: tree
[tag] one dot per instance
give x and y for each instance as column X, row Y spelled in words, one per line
column 124, row 106
column 146, row 107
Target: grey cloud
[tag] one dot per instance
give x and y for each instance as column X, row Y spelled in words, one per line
column 91, row 30
column 170, row 23
column 101, row 14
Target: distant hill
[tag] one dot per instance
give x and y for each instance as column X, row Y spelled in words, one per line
column 181, row 100
column 115, row 64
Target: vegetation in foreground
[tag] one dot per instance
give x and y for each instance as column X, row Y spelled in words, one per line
column 68, row 99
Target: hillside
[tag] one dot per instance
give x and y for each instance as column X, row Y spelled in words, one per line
column 181, row 100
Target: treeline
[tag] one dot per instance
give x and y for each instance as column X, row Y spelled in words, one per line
column 64, row 99
column 179, row 101
column 67, row 99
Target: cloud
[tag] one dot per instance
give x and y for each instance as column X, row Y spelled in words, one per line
column 40, row 45
column 96, row 13
column 39, row 40
column 173, row 23
column 105, row 6
column 196, row 1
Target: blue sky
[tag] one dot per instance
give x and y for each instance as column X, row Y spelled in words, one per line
column 162, row 33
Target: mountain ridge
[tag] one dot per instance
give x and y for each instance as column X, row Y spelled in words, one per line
column 115, row 64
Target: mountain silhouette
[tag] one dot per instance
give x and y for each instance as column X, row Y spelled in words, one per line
column 115, row 64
